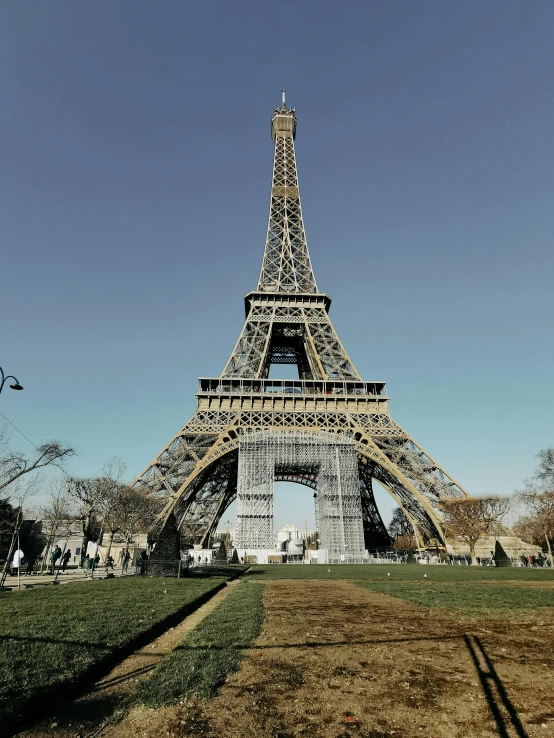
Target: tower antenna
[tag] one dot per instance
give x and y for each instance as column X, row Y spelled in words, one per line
column 283, row 104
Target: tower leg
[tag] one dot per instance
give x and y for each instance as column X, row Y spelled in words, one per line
column 164, row 559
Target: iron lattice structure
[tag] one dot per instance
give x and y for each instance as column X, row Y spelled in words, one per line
column 287, row 322
column 326, row 458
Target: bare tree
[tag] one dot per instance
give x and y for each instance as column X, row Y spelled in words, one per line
column 472, row 518
column 545, row 470
column 114, row 469
column 538, row 496
column 137, row 511
column 463, row 520
column 58, row 516
column 529, row 528
column 113, row 518
column 87, row 497
column 127, row 511
column 112, row 492
column 15, row 464
column 494, row 510
column 95, row 499
column 541, row 503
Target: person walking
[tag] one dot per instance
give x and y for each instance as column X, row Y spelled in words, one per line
column 30, row 566
column 126, row 557
column 54, row 556
column 143, row 561
column 17, row 561
column 65, row 558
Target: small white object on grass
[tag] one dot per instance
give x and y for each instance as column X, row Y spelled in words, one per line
column 425, row 576
column 388, row 573
column 328, row 569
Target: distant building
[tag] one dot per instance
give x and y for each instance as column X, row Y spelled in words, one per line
column 291, row 533
column 220, row 535
column 287, row 533
column 69, row 538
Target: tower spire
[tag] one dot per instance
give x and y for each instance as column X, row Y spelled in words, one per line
column 286, row 265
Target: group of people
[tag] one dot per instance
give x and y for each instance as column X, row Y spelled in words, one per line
column 109, row 563
column 61, row 556
column 19, row 561
column 535, row 562
column 60, row 559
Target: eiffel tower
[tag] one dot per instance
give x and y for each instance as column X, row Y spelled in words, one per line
column 287, row 322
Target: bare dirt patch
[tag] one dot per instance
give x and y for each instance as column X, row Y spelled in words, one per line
column 86, row 715
column 336, row 660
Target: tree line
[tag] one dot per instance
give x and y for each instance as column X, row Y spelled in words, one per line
column 102, row 508
column 473, row 518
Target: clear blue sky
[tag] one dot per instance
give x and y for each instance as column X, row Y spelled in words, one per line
column 135, row 165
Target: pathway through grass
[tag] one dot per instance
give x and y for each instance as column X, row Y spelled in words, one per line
column 52, row 636
column 211, row 652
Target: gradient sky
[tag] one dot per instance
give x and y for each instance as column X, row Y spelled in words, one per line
column 135, row 166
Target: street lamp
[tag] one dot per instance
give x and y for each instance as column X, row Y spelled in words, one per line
column 15, row 386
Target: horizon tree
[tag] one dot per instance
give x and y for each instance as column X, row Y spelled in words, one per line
column 57, row 517
column 472, row 518
column 538, row 496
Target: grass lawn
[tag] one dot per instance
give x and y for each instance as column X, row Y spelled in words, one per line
column 470, row 598
column 378, row 572
column 210, row 652
column 51, row 636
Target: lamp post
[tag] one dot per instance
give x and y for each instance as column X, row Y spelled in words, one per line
column 4, row 379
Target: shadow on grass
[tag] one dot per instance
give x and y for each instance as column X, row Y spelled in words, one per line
column 47, row 701
column 503, row 711
column 205, row 572
column 495, row 693
column 97, row 710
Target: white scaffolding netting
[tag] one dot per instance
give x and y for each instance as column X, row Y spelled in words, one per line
column 331, row 457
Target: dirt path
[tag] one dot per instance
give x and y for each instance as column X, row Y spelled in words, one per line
column 337, row 660
column 86, row 715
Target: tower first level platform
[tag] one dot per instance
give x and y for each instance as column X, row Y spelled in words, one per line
column 197, row 472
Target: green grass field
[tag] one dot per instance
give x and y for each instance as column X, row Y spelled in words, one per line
column 469, row 598
column 210, row 652
column 51, row 636
column 401, row 572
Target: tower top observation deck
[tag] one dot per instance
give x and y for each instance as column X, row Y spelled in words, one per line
column 283, row 122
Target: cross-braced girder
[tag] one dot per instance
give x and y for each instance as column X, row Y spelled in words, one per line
column 286, row 266
column 418, row 494
column 287, row 322
column 304, row 330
